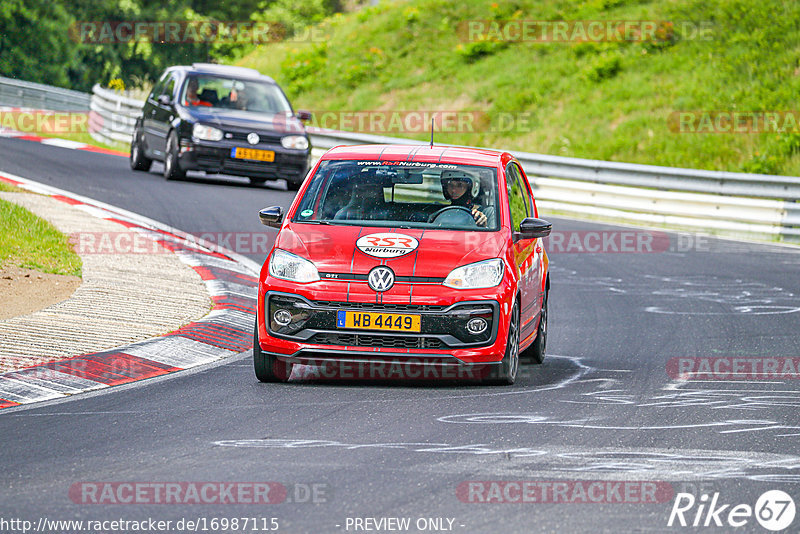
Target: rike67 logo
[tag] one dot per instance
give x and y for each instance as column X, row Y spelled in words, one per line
column 774, row 510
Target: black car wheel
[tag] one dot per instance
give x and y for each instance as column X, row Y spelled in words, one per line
column 539, row 346
column 257, row 181
column 293, row 184
column 172, row 166
column 507, row 370
column 139, row 162
column 536, row 352
column 268, row 368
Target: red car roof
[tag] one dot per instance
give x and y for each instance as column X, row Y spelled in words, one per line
column 420, row 153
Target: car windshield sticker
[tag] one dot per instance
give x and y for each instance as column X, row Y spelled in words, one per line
column 387, row 245
column 307, row 213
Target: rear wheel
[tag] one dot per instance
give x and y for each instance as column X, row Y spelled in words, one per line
column 268, row 368
column 172, row 166
column 257, row 181
column 536, row 352
column 138, row 161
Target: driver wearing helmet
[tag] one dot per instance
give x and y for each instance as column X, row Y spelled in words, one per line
column 459, row 188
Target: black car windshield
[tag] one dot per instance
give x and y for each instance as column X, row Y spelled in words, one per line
column 232, row 93
column 401, row 194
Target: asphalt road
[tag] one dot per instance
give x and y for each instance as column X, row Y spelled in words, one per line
column 603, row 407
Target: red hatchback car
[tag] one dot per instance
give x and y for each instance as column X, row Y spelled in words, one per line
column 391, row 253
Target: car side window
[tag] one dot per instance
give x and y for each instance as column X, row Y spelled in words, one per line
column 516, row 199
column 169, row 88
column 158, row 88
column 525, row 192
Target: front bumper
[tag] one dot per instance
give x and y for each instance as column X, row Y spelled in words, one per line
column 216, row 158
column 313, row 333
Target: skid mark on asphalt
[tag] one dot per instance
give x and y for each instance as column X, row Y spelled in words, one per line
column 609, row 463
column 692, row 295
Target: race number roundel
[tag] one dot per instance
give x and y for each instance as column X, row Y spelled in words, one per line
column 387, row 245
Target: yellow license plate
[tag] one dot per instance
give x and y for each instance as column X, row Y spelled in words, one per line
column 252, row 153
column 388, row 322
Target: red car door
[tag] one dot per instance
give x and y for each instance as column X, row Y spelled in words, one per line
column 526, row 257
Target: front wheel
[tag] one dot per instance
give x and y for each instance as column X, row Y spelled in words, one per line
column 172, row 166
column 293, row 184
column 268, row 368
column 138, row 161
column 507, row 372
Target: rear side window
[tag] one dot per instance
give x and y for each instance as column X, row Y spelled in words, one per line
column 517, row 202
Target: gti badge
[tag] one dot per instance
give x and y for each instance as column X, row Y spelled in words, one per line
column 381, row 278
column 253, row 138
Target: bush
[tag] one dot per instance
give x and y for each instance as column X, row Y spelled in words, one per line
column 475, row 50
column 302, row 66
column 762, row 164
column 604, row 67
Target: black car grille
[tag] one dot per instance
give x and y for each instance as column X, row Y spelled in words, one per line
column 373, row 340
column 379, row 306
column 242, row 136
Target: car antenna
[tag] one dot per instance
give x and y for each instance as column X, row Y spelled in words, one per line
column 431, row 132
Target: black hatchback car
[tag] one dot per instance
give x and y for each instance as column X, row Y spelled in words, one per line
column 221, row 119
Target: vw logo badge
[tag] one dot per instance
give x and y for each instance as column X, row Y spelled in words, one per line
column 381, row 278
column 253, row 138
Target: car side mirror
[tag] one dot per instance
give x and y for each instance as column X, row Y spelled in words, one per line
column 304, row 115
column 531, row 228
column 164, row 100
column 272, row 216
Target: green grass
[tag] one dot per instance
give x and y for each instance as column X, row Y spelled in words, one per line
column 33, row 243
column 609, row 101
column 8, row 188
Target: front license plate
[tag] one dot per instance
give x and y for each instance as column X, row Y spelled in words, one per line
column 388, row 322
column 252, row 153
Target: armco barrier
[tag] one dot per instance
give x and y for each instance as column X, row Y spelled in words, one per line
column 727, row 203
column 113, row 116
column 18, row 93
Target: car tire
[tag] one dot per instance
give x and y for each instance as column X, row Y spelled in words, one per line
column 536, row 352
column 268, row 368
column 257, row 181
column 172, row 165
column 138, row 161
column 506, row 372
column 293, row 184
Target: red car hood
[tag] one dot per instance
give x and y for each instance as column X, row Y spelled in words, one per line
column 409, row 252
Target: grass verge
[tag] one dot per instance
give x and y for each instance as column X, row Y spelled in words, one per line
column 608, row 100
column 31, row 242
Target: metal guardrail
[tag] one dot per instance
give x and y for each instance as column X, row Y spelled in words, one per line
column 737, row 204
column 18, row 93
column 113, row 116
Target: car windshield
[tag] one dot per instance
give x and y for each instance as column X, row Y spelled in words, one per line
column 401, row 194
column 232, row 93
